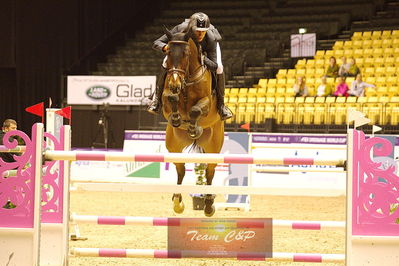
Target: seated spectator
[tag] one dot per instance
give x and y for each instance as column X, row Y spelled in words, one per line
column 8, row 125
column 333, row 68
column 300, row 88
column 358, row 86
column 344, row 68
column 342, row 88
column 353, row 69
column 324, row 88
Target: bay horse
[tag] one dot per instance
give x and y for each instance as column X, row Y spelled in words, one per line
column 190, row 108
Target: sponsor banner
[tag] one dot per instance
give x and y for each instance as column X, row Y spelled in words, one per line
column 299, row 139
column 246, row 239
column 114, row 90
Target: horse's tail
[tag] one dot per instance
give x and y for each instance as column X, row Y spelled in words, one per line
column 193, row 148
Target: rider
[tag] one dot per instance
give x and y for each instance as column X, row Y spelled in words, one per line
column 208, row 37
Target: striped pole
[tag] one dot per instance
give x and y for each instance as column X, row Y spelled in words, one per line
column 164, row 254
column 16, row 149
column 161, row 221
column 185, row 158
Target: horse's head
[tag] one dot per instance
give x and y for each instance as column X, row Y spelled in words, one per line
column 178, row 60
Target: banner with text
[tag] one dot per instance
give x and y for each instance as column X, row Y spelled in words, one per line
column 114, row 90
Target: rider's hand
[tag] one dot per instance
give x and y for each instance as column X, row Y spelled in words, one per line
column 165, row 49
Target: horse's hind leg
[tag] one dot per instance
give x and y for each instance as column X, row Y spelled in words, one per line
column 209, row 209
column 178, row 205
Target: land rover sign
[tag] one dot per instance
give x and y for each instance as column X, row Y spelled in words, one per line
column 114, row 90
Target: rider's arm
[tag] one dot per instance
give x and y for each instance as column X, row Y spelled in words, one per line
column 211, row 59
column 160, row 43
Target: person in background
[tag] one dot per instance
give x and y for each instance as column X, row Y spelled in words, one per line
column 324, row 88
column 333, row 68
column 344, row 68
column 300, row 88
column 342, row 88
column 358, row 86
column 8, row 125
column 353, row 69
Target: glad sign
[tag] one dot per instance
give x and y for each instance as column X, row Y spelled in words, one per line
column 247, row 239
column 114, row 90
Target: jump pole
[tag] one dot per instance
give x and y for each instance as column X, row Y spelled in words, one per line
column 183, row 158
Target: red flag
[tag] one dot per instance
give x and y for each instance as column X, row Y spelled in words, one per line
column 37, row 109
column 245, row 126
column 64, row 112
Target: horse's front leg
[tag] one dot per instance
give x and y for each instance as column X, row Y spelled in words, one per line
column 209, row 209
column 178, row 205
column 174, row 118
column 201, row 108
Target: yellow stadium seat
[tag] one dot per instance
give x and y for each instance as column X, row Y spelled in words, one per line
column 389, row 62
column 378, row 52
column 281, row 81
column 376, row 35
column 291, row 73
column 320, row 99
column 328, row 54
column 395, row 34
column 368, row 62
column 272, row 81
column 382, row 91
column 360, row 62
column 370, row 80
column 387, row 43
column 261, row 92
column 340, row 99
column 290, row 82
column 271, row 91
column 362, row 99
column 366, row 35
column 280, row 91
column 300, row 72
column 380, row 72
column 338, row 53
column 262, row 83
column 395, row 42
column 234, row 91
column 397, row 61
column 290, row 91
column 377, row 43
column 338, row 45
column 391, row 80
column 357, row 44
column 330, row 99
column 380, row 81
column 357, row 36
column 370, row 92
column 320, row 63
column 358, row 53
column 319, row 54
column 300, row 63
column 389, row 52
column 310, row 62
column 351, row 99
column 349, row 80
column 319, row 72
column 233, row 99
column 347, row 45
column 379, row 62
column 369, row 72
column 260, row 99
column 310, row 71
column 393, row 91
column 281, row 73
column 252, row 91
column 367, row 44
column 348, row 53
column 386, row 34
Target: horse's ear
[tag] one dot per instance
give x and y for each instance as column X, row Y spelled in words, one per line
column 168, row 33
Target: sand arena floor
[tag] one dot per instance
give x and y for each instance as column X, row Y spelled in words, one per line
column 160, row 205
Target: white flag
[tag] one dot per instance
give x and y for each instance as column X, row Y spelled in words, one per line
column 353, row 114
column 376, row 129
column 361, row 121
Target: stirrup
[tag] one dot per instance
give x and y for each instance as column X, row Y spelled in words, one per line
column 154, row 108
column 225, row 113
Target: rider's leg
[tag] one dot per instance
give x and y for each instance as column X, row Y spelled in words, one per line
column 224, row 111
column 156, row 104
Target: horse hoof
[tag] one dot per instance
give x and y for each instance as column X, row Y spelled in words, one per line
column 178, row 206
column 209, row 211
column 175, row 121
column 196, row 133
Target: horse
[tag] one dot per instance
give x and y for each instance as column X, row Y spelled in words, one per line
column 190, row 108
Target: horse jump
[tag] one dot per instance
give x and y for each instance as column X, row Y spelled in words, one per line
column 375, row 246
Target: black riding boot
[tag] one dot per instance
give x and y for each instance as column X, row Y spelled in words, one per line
column 224, row 111
column 155, row 106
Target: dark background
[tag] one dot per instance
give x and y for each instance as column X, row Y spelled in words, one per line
column 42, row 41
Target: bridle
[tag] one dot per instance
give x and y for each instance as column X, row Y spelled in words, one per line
column 183, row 73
